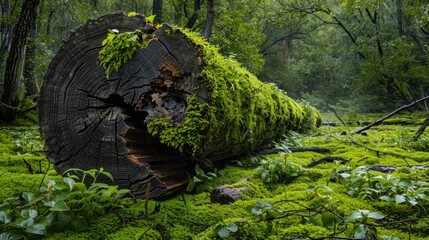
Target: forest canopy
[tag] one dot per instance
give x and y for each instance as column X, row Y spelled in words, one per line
column 364, row 56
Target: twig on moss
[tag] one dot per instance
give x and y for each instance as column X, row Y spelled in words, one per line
column 328, row 159
column 390, row 169
column 304, row 149
column 421, row 129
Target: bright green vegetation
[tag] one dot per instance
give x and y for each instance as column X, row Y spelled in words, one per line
column 253, row 112
column 125, row 43
column 329, row 198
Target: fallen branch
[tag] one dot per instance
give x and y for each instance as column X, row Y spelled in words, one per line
column 305, row 149
column 377, row 151
column 377, row 122
column 328, row 159
column 390, row 169
column 421, row 129
column 336, row 114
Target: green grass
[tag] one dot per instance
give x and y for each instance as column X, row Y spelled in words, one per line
column 192, row 216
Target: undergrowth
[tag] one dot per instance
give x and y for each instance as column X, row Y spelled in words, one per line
column 324, row 201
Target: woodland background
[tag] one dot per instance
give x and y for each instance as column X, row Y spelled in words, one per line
column 359, row 56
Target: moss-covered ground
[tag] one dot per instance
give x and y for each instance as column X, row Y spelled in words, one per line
column 286, row 210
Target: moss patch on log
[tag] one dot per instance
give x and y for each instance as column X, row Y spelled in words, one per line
column 242, row 113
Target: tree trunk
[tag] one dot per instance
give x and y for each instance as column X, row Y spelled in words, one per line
column 194, row 17
column 208, row 25
column 30, row 65
column 168, row 108
column 15, row 58
column 5, row 37
column 157, row 10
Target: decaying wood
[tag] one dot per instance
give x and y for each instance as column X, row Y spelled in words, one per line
column 377, row 122
column 422, row 129
column 328, row 159
column 390, row 169
column 304, row 149
column 227, row 195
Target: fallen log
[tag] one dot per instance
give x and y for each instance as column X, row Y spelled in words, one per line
column 147, row 104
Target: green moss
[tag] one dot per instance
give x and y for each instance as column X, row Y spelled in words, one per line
column 119, row 48
column 242, row 113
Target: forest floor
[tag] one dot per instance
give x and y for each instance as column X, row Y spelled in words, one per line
column 340, row 199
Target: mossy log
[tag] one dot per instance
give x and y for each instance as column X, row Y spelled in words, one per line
column 175, row 103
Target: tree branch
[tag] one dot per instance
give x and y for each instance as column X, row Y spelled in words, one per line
column 391, row 114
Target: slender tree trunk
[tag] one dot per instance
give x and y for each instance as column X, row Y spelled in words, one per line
column 208, row 25
column 30, row 64
column 5, row 34
column 194, row 17
column 399, row 17
column 15, row 58
column 157, row 10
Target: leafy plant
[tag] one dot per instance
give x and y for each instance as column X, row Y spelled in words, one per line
column 363, row 229
column 225, row 231
column 200, row 179
column 278, row 170
column 119, row 48
column 64, row 204
column 265, row 211
column 330, row 216
column 400, row 193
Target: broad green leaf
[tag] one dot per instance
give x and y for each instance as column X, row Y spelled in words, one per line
column 24, row 222
column 232, row 227
column 223, row 232
column 29, row 213
column 354, row 216
column 28, row 197
column 37, row 229
column 328, row 219
column 132, row 14
column 257, row 211
column 60, row 206
column 69, row 181
column 399, row 199
column 359, row 231
column 11, row 236
column 4, row 217
column 107, row 174
column 191, row 185
column 198, row 170
column 376, row 216
column 385, row 198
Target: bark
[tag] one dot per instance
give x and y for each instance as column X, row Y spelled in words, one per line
column 208, row 25
column 30, row 65
column 422, row 129
column 328, row 159
column 89, row 121
column 377, row 122
column 5, row 35
column 194, row 17
column 399, row 20
column 157, row 10
column 15, row 58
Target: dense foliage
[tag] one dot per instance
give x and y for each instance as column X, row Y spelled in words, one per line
column 355, row 55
